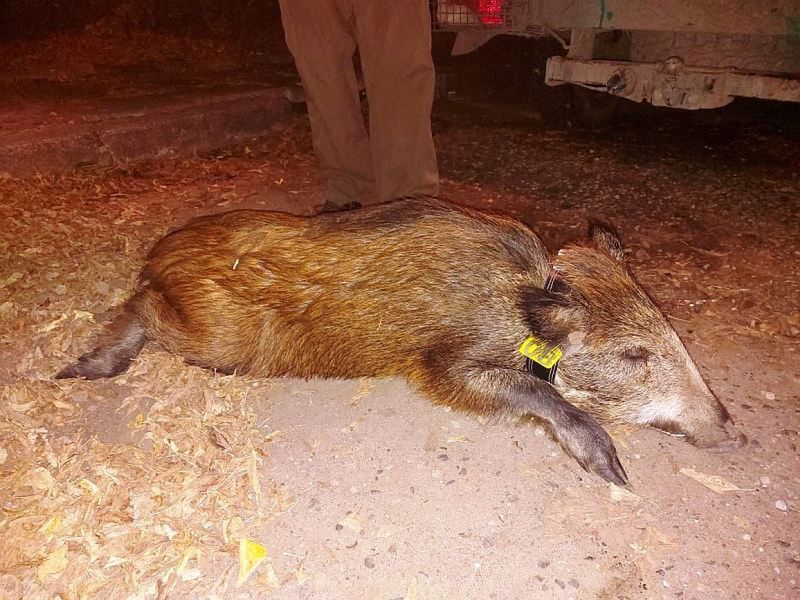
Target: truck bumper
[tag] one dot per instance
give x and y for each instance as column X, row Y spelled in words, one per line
column 671, row 82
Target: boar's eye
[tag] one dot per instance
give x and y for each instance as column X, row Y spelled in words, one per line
column 637, row 354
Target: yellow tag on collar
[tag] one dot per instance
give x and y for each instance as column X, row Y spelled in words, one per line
column 538, row 351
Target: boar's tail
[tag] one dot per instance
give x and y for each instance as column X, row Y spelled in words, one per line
column 119, row 344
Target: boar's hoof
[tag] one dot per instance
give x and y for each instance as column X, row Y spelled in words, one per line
column 592, row 448
column 605, row 463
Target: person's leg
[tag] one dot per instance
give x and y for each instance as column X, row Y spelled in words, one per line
column 320, row 35
column 394, row 40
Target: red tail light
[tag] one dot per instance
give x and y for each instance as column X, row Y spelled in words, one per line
column 490, row 12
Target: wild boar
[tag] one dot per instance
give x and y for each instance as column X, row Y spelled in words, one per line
column 466, row 305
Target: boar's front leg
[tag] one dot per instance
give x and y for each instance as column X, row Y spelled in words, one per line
column 518, row 395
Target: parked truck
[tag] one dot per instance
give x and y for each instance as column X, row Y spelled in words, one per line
column 688, row 54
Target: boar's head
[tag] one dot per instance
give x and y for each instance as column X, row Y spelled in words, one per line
column 623, row 362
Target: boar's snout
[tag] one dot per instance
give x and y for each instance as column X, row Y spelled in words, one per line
column 718, row 435
column 733, row 439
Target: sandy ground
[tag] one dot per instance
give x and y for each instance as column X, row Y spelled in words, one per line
column 385, row 496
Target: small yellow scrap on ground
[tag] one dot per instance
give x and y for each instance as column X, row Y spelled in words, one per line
column 251, row 554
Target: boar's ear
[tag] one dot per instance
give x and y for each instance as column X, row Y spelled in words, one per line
column 552, row 316
column 605, row 238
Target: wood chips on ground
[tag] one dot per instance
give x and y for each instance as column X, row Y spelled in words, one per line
column 160, row 513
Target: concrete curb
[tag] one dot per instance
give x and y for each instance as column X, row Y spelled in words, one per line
column 156, row 128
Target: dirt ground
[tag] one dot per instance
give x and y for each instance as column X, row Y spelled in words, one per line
column 144, row 486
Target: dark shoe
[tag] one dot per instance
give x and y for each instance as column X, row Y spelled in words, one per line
column 334, row 207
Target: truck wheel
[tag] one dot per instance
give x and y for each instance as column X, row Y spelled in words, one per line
column 593, row 109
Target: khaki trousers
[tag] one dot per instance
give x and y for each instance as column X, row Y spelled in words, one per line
column 397, row 158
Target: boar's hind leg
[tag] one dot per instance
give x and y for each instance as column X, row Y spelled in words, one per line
column 518, row 394
column 119, row 344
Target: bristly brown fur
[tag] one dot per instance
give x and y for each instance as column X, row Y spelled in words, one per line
column 438, row 294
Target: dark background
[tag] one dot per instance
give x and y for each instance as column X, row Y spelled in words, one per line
column 508, row 69
column 246, row 20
